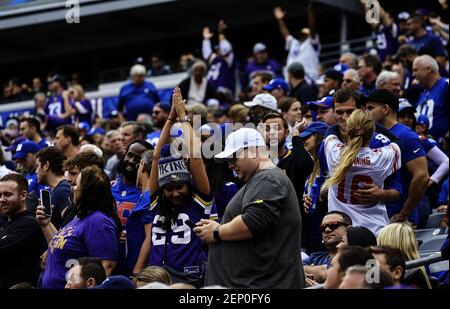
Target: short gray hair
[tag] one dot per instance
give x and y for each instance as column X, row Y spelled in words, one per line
column 428, row 61
column 353, row 59
column 354, row 74
column 385, row 77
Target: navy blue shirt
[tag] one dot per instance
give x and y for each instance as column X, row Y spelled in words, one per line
column 137, row 99
column 428, row 44
column 60, row 196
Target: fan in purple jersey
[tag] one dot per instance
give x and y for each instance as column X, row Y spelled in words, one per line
column 92, row 233
column 57, row 106
column 385, row 33
column 180, row 198
column 261, row 63
column 81, row 106
column 222, row 63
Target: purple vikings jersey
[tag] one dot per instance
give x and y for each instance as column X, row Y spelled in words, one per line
column 180, row 248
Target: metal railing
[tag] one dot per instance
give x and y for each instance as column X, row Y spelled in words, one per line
column 331, row 52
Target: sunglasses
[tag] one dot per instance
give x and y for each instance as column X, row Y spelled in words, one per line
column 332, row 225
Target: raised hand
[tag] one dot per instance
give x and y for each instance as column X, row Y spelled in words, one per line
column 207, row 34
column 178, row 103
column 279, row 13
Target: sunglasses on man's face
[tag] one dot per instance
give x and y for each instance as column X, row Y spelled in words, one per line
column 332, row 225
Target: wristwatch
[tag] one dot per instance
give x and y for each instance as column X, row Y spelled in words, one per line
column 185, row 119
column 216, row 234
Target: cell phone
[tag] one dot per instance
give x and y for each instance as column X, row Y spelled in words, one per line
column 190, row 223
column 46, row 201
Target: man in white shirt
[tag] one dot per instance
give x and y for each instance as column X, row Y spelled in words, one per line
column 306, row 48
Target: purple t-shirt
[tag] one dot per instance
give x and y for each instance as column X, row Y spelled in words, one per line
column 93, row 236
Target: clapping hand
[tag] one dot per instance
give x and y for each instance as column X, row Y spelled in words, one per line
column 178, row 103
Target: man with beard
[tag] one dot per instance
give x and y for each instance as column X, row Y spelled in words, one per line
column 124, row 189
column 333, row 227
column 159, row 118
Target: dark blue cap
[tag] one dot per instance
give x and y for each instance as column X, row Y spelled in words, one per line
column 25, row 148
column 277, row 83
column 116, row 282
column 315, row 127
column 325, row 102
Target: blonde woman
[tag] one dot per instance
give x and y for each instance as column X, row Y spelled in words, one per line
column 354, row 164
column 403, row 237
column 81, row 106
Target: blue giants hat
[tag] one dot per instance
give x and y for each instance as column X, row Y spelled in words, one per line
column 315, row 127
column 25, row 148
column 423, row 120
column 325, row 102
column 116, row 282
column 277, row 83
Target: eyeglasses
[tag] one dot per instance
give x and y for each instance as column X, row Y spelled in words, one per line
column 332, row 225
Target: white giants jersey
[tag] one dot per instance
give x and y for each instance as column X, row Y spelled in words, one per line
column 371, row 166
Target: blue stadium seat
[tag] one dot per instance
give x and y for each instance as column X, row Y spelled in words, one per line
column 427, row 234
column 434, row 220
column 434, row 244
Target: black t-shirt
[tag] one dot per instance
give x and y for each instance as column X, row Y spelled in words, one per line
column 21, row 244
column 271, row 259
column 60, row 200
column 304, row 92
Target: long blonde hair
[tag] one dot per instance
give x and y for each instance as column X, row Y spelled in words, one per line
column 315, row 155
column 403, row 237
column 360, row 128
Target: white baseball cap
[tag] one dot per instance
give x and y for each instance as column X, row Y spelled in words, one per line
column 263, row 99
column 225, row 48
column 259, row 47
column 138, row 69
column 242, row 138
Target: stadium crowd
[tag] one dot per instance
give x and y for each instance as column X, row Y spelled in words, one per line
column 279, row 176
